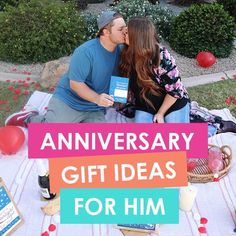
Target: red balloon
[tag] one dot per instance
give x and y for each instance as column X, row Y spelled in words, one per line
column 205, row 59
column 11, row 139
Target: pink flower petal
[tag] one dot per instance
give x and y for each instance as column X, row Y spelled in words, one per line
column 45, row 233
column 202, row 230
column 203, row 220
column 216, row 180
column 52, row 227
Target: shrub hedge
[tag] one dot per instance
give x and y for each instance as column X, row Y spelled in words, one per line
column 4, row 3
column 40, row 30
column 230, row 6
column 204, row 27
column 161, row 17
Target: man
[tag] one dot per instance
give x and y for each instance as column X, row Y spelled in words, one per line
column 81, row 95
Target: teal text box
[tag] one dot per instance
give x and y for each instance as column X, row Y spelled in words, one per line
column 121, row 205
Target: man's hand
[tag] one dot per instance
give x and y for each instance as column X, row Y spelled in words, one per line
column 104, row 100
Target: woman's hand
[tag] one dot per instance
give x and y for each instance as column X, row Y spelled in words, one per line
column 158, row 118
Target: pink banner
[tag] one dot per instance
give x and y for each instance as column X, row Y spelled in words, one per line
column 74, row 140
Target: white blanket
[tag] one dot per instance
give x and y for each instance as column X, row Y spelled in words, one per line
column 215, row 201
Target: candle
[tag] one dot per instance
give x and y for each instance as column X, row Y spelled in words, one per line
column 187, row 197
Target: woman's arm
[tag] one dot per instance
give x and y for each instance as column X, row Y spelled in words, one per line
column 167, row 103
column 170, row 80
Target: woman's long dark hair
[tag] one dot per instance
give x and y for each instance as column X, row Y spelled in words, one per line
column 142, row 54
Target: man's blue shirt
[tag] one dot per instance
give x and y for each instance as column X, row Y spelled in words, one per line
column 92, row 64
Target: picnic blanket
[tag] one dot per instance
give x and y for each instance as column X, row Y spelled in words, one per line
column 215, row 201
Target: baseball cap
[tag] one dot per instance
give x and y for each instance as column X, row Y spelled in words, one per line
column 105, row 18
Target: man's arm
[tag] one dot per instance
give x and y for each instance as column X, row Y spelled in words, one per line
column 82, row 90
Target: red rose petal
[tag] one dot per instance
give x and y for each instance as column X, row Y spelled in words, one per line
column 234, row 76
column 223, row 78
column 228, row 101
column 203, row 220
column 216, row 179
column 14, row 97
column 45, row 233
column 51, row 89
column 52, row 227
column 37, row 86
column 10, row 88
column 26, row 93
column 17, row 91
column 8, row 81
column 234, row 101
column 191, row 165
column 202, row 230
column 28, row 78
column 3, row 102
column 26, row 85
column 7, row 109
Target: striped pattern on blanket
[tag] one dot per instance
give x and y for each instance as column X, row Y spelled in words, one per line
column 215, row 201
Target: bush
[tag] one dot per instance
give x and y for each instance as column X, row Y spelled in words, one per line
column 4, row 3
column 184, row 2
column 39, row 31
column 161, row 17
column 205, row 27
column 95, row 1
column 79, row 4
column 90, row 20
column 230, row 6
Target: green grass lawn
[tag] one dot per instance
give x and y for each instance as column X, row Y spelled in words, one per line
column 222, row 94
column 217, row 95
column 14, row 95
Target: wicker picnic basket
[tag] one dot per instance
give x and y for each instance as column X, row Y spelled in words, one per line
column 202, row 174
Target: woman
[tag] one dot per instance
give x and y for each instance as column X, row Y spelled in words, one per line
column 154, row 78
